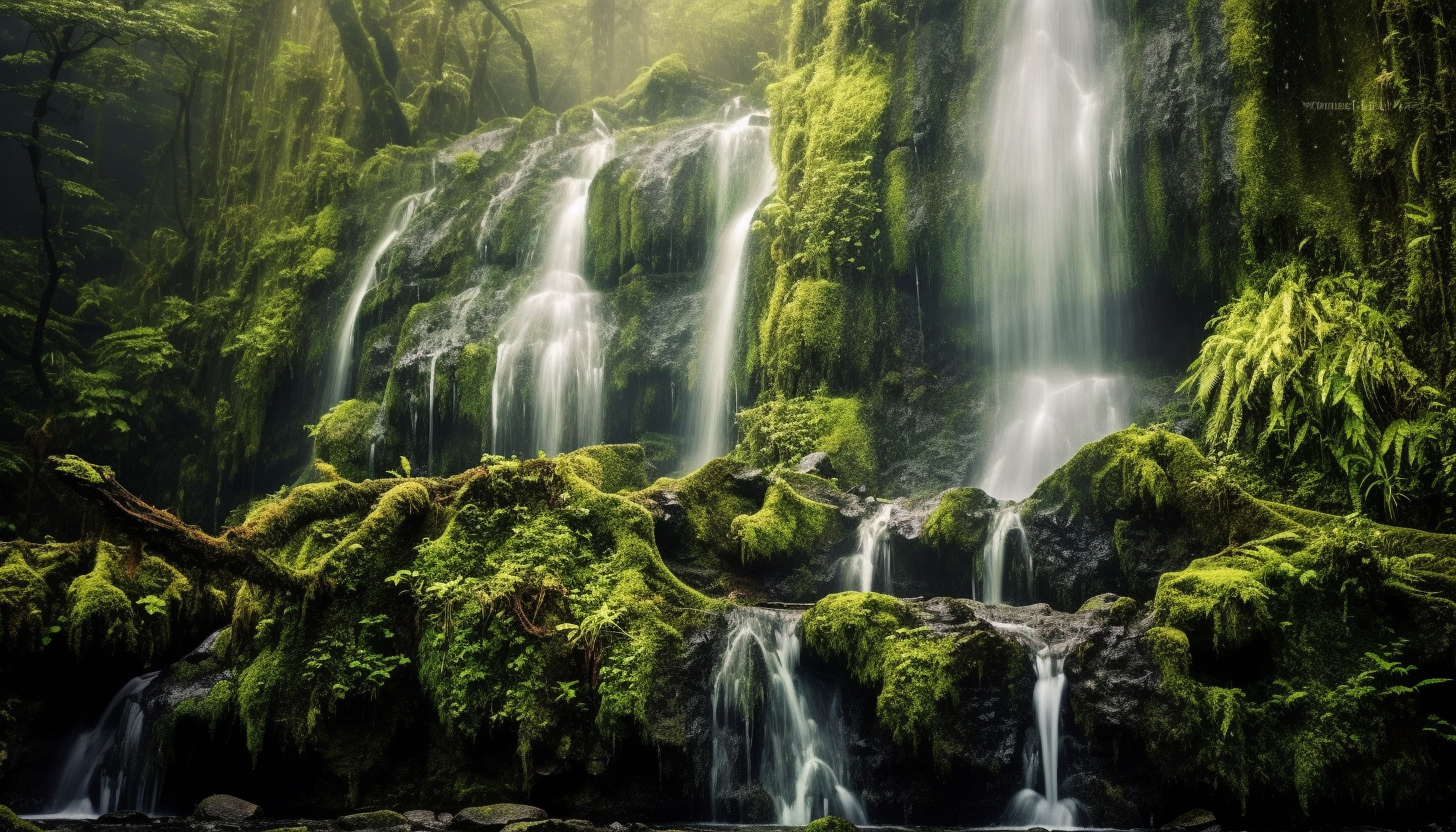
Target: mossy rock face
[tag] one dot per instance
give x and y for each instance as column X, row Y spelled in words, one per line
column 495, row 817
column 11, row 822
column 613, row 468
column 381, row 819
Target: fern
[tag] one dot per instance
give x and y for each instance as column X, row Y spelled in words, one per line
column 1312, row 367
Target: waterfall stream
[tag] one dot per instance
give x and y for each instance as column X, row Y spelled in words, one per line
column 338, row 383
column 1051, row 263
column 1006, row 547
column 547, row 390
column 744, row 178
column 109, row 766
column 775, row 729
column 1044, row 808
column 868, row 569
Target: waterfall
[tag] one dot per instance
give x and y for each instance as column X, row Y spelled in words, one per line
column 1030, row 807
column 774, row 729
column 547, row 391
column 1006, row 540
column 869, row 567
column 338, row 383
column 744, row 178
column 1049, row 260
column 109, row 766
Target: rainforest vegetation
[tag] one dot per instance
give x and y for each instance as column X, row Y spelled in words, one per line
column 1037, row 413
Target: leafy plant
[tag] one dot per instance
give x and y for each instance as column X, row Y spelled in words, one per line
column 1313, row 368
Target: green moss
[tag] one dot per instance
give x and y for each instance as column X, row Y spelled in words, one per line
column 212, row 708
column 712, row 499
column 780, row 432
column 830, row 823
column 343, row 437
column 959, row 522
column 854, row 627
column 617, row 467
column 10, row 822
column 788, row 526
column 125, row 604
column 24, row 597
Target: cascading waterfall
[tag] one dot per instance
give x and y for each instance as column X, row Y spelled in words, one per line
column 338, row 383
column 1044, row 808
column 775, row 729
column 109, row 766
column 868, row 569
column 1049, row 258
column 745, row 178
column 1006, row 547
column 547, row 391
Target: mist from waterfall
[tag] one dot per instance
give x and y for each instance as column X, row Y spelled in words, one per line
column 744, row 177
column 109, row 766
column 339, row 377
column 868, row 569
column 775, row 728
column 1050, row 255
column 1043, row 808
column 547, row 390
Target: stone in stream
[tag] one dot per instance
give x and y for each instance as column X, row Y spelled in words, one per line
column 495, row 817
column 123, row 817
column 1193, row 820
column 424, row 819
column 830, row 823
column 226, row 807
column 551, row 825
column 382, row 819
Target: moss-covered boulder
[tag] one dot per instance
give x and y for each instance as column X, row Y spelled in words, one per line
column 380, row 819
column 495, row 817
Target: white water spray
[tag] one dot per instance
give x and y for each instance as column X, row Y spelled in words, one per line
column 1050, row 260
column 339, row 381
column 774, row 728
column 108, row 767
column 868, row 569
column 745, row 178
column 1045, row 808
column 547, row 391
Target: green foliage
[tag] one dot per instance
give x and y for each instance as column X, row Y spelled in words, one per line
column 1336, row 713
column 1313, row 367
column 10, row 822
column 780, row 432
column 830, row 823
column 920, row 672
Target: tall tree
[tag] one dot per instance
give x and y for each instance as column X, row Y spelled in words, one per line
column 384, row 119
column 512, row 25
column 603, row 15
column 65, row 31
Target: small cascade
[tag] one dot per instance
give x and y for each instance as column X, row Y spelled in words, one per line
column 1007, row 550
column 547, row 391
column 1043, row 808
column 868, row 569
column 773, row 728
column 744, row 179
column 1049, row 244
column 338, row 383
column 109, row 766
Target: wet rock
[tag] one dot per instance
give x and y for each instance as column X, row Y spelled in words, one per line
column 225, row 807
column 495, row 817
column 127, row 816
column 1193, row 820
column 751, row 483
column 382, row 819
column 551, row 825
column 1103, row 803
column 818, row 464
column 423, row 819
column 445, row 818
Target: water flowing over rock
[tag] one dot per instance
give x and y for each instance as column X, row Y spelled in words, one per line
column 547, row 391
column 868, row 569
column 744, row 178
column 1030, row 807
column 1050, row 256
column 339, row 380
column 109, row 766
column 778, row 740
